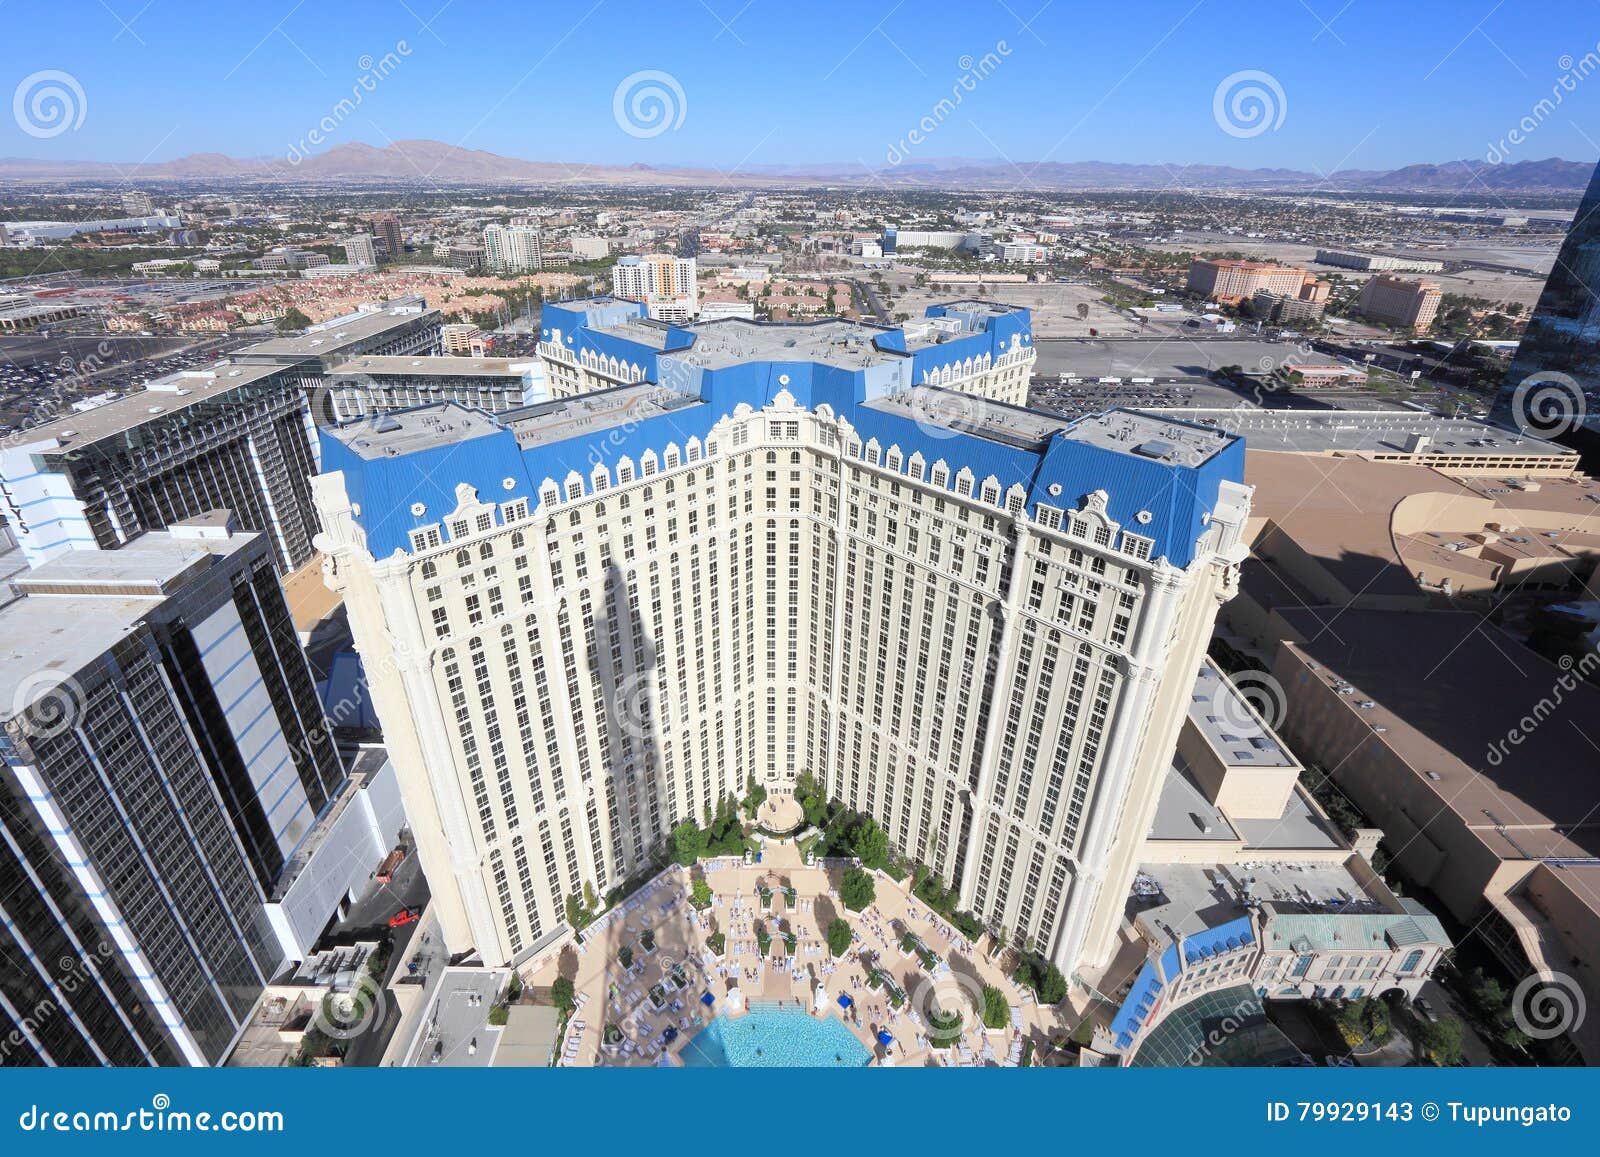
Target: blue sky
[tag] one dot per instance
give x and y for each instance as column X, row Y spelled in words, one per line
column 1365, row 84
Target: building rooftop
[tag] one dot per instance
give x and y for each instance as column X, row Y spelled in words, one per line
column 1448, row 689
column 331, row 337
column 1230, row 725
column 586, row 415
column 1176, row 900
column 1183, row 814
column 1013, row 425
column 431, row 366
column 79, row 604
column 1162, row 479
column 732, row 340
column 1155, row 437
column 163, row 396
column 1370, row 431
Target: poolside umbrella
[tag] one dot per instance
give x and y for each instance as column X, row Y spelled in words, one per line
column 707, row 999
column 844, row 1000
column 884, row 1038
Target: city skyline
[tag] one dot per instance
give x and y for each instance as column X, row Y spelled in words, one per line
column 823, row 536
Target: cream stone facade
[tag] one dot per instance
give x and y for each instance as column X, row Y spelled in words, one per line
column 566, row 674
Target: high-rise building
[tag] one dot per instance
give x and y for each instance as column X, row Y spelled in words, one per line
column 387, row 229
column 361, row 249
column 1230, row 281
column 665, row 284
column 237, row 437
column 163, row 753
column 1553, row 386
column 513, row 248
column 777, row 554
column 1400, row 301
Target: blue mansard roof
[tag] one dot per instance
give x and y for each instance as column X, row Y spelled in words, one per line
column 1161, row 478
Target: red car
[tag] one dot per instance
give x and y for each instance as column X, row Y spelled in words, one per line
column 403, row 917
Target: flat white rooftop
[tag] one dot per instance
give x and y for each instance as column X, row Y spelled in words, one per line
column 1371, row 431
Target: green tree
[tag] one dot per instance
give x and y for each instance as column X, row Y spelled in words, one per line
column 292, row 319
column 1052, row 986
column 838, row 936
column 577, row 915
column 872, row 845
column 1440, row 1041
column 1488, row 997
column 996, row 1009
column 857, row 890
column 688, row 842
column 563, row 995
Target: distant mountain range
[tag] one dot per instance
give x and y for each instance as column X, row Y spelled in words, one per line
column 427, row 163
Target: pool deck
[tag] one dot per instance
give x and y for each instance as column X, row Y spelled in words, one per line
column 609, row 993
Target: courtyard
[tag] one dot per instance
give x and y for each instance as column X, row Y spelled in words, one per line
column 652, row 973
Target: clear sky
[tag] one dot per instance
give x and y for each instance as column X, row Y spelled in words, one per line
column 1363, row 84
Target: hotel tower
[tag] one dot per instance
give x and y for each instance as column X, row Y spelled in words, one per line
column 734, row 549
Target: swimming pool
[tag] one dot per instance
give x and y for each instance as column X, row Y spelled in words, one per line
column 772, row 1037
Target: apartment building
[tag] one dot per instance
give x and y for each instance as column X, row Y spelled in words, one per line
column 513, row 248
column 459, row 337
column 589, row 620
column 361, row 249
column 1230, row 282
column 665, row 284
column 163, row 756
column 1400, row 301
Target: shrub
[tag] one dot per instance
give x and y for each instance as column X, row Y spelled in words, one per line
column 625, row 954
column 857, row 889
column 716, row 942
column 563, row 995
column 700, row 894
column 996, row 1009
column 498, row 1015
column 838, row 936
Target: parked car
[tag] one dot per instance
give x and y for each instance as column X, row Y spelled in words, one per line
column 403, row 917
